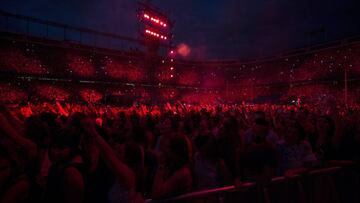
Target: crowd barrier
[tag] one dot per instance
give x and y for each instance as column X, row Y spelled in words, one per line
column 330, row 185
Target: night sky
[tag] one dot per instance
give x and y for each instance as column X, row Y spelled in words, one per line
column 214, row 29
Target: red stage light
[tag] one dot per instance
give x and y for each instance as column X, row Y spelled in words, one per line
column 155, row 19
column 155, row 34
column 172, row 68
column 171, row 75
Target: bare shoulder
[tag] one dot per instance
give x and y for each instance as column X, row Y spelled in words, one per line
column 183, row 171
column 73, row 175
column 22, row 185
column 183, row 174
column 17, row 192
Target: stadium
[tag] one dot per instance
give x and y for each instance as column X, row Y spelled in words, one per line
column 181, row 102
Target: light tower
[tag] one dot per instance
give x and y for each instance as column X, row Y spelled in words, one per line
column 155, row 31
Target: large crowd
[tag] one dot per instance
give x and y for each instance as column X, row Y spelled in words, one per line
column 64, row 152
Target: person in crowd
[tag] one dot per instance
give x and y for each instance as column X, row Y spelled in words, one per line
column 124, row 189
column 349, row 142
column 210, row 170
column 37, row 130
column 324, row 148
column 294, row 151
column 258, row 161
column 15, row 153
column 256, row 128
column 14, row 184
column 66, row 177
column 230, row 144
column 173, row 176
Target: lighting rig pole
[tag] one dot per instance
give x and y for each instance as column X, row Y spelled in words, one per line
column 346, row 86
column 347, row 64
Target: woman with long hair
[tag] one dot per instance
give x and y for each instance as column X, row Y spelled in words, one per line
column 173, row 176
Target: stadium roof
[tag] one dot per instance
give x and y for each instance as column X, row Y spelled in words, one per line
column 213, row 29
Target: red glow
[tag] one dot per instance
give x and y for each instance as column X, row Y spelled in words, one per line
column 120, row 70
column 11, row 93
column 184, row 50
column 52, row 92
column 168, row 93
column 188, row 77
column 16, row 60
column 81, row 65
column 91, row 95
column 172, row 68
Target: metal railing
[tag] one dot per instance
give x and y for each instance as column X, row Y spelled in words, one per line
column 305, row 186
